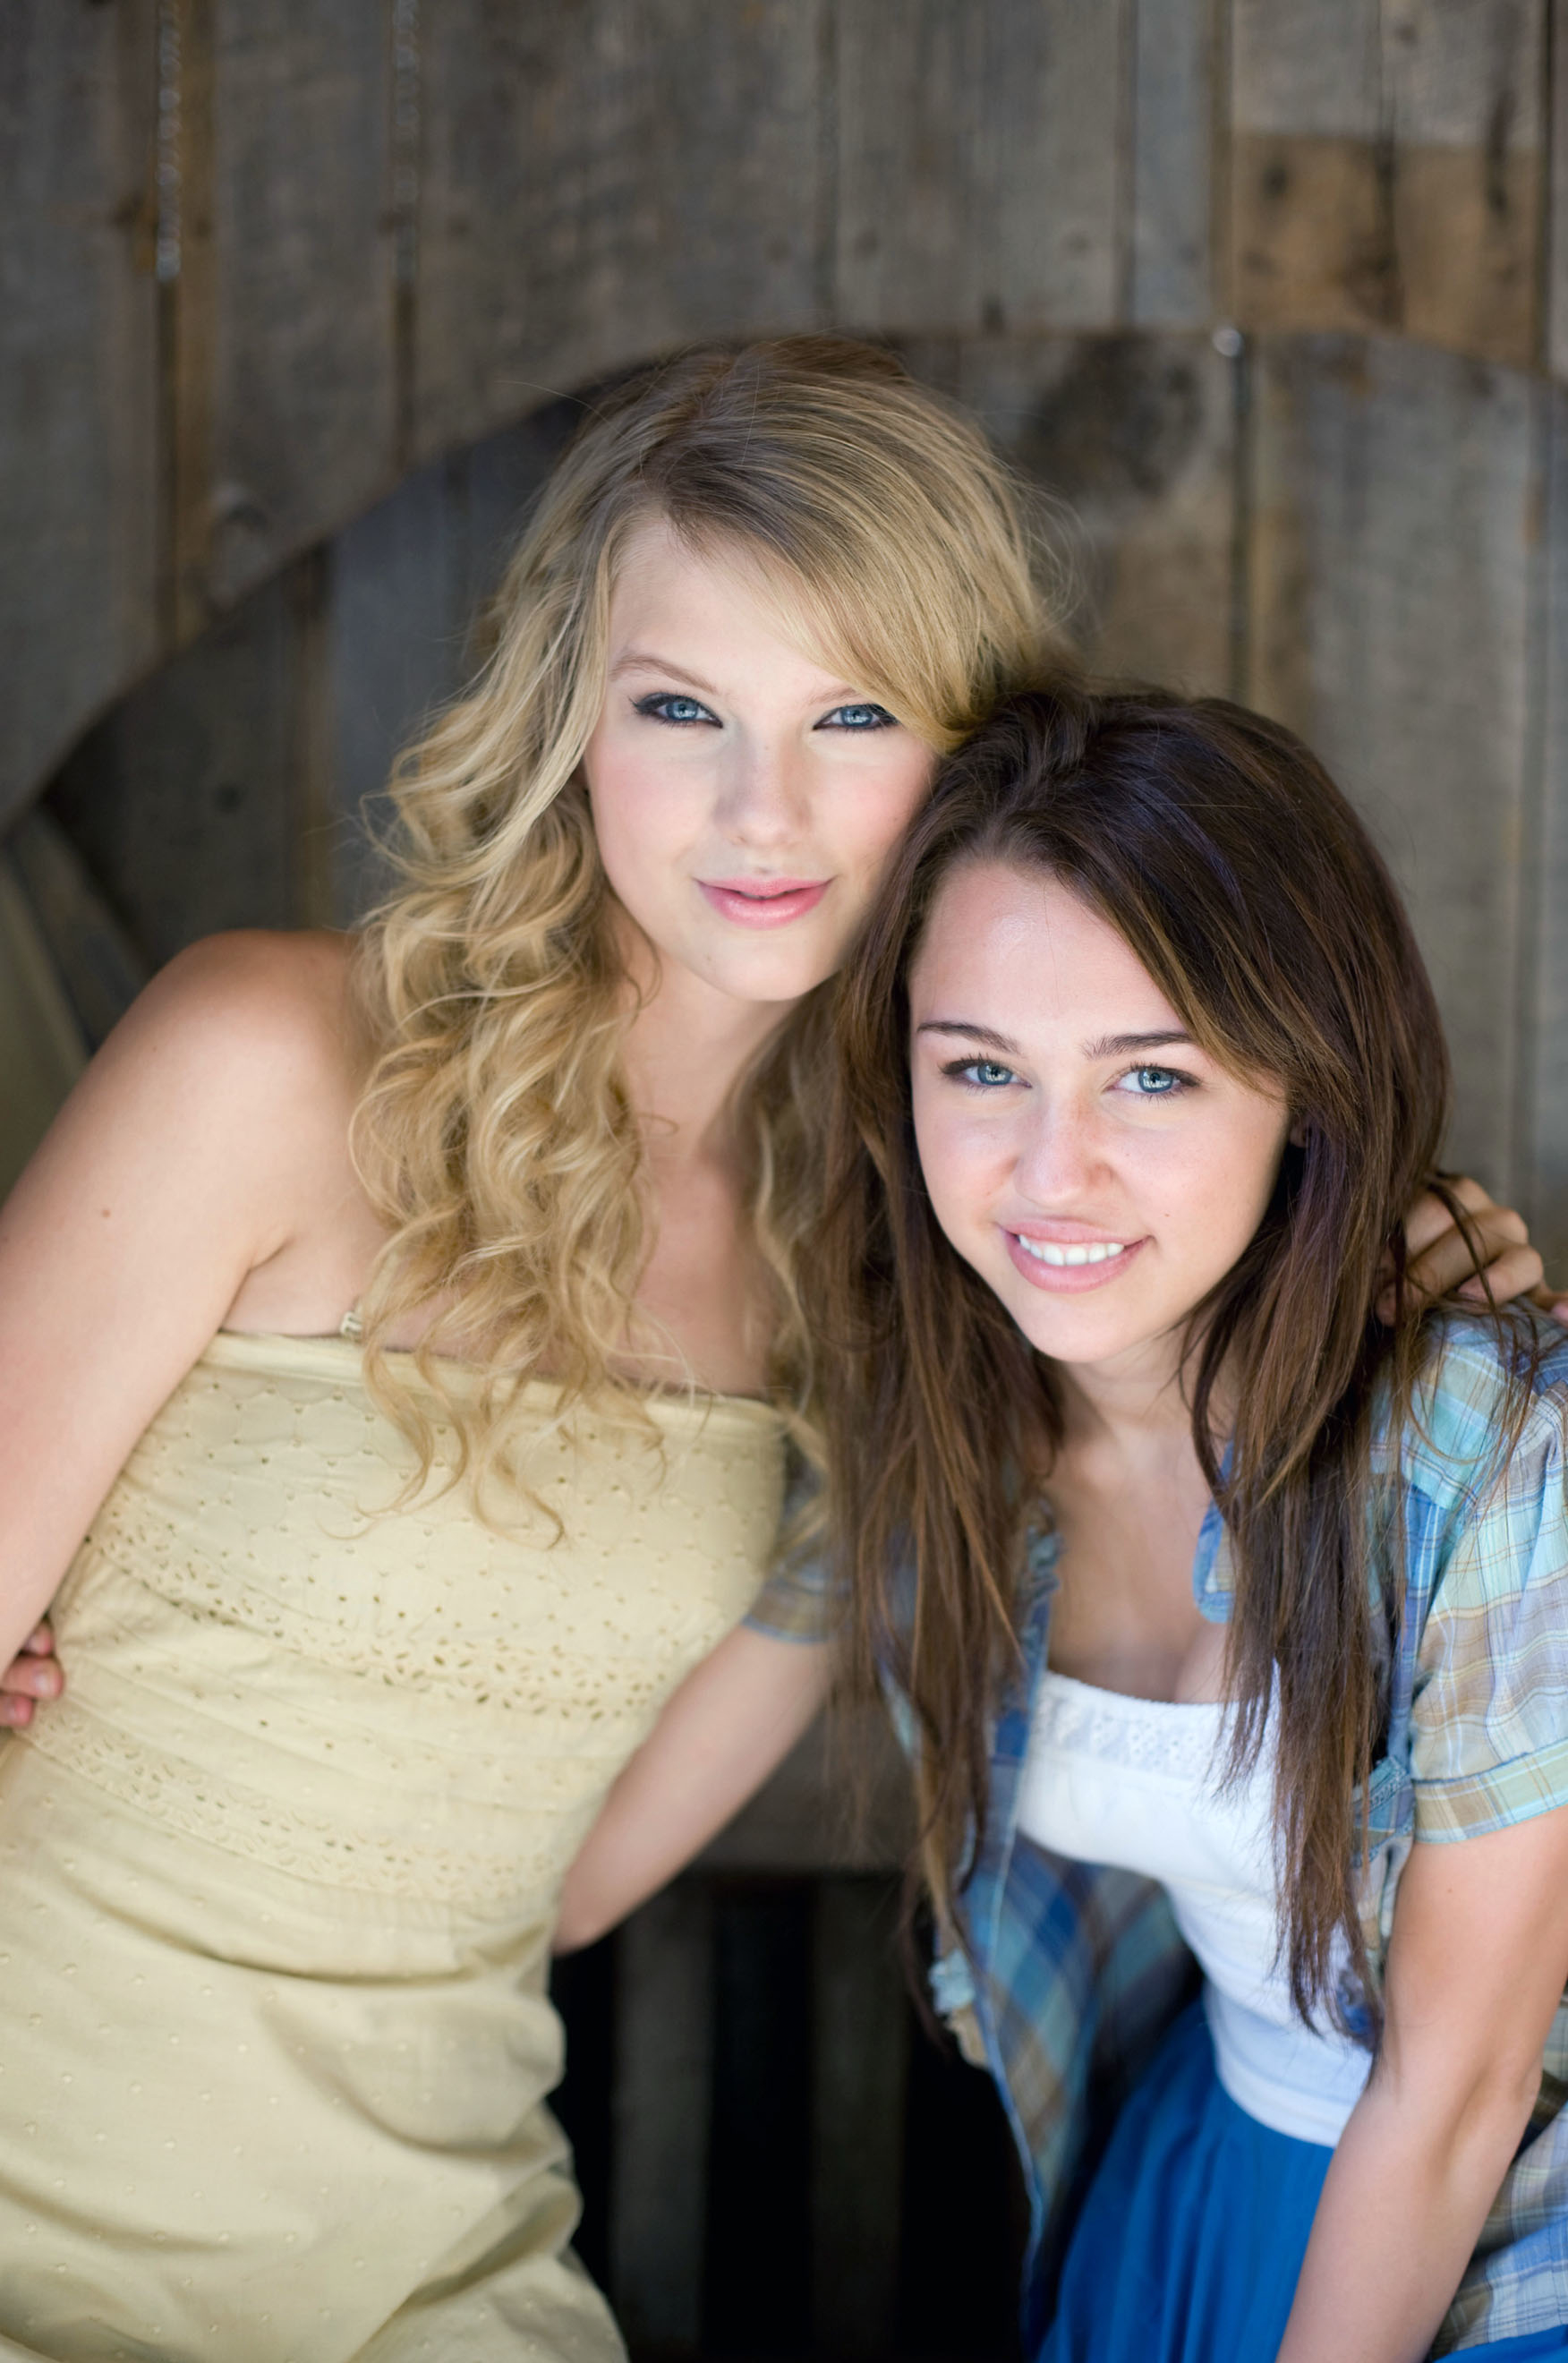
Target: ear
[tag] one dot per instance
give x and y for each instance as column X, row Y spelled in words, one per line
column 1297, row 1136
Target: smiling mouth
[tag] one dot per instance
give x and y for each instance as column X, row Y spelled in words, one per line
column 1071, row 1266
column 1047, row 1251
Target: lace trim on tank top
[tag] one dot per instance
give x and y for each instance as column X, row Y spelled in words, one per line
column 1179, row 1742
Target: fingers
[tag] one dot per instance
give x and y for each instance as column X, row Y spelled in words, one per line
column 1471, row 1195
column 1554, row 1301
column 1508, row 1261
column 1430, row 1218
column 34, row 1673
column 1513, row 1273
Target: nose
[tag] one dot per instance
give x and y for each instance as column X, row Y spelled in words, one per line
column 763, row 801
column 1059, row 1155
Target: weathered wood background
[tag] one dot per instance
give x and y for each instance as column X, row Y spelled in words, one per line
column 1272, row 292
column 295, row 298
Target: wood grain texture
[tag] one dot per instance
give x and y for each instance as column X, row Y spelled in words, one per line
column 187, row 309
column 1306, row 67
column 1131, row 437
column 1465, row 91
column 1546, row 1163
column 1557, row 223
column 301, row 401
column 982, row 164
column 78, row 373
column 92, row 956
column 1387, row 169
column 1394, row 502
column 185, row 802
column 1175, row 53
column 601, row 181
column 41, row 1048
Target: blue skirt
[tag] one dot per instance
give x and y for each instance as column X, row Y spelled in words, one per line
column 1191, row 2236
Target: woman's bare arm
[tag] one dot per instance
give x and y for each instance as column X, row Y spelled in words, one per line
column 190, row 1154
column 732, row 1722
column 1477, row 1963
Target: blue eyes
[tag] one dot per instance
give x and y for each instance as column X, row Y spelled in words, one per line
column 1139, row 1082
column 670, row 706
column 859, row 717
column 664, row 705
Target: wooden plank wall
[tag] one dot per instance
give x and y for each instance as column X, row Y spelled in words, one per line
column 274, row 253
column 1270, row 293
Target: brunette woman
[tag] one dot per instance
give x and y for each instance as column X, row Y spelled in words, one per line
column 1229, row 1618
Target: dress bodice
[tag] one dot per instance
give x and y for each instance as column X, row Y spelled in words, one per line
column 278, row 1873
column 403, row 1698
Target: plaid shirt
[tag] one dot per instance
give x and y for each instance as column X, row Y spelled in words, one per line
column 1067, row 1974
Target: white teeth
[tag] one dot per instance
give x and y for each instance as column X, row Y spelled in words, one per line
column 1045, row 1251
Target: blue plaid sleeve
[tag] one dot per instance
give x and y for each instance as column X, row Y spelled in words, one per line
column 1489, row 1718
column 801, row 1600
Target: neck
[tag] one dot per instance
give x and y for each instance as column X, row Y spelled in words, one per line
column 1133, row 1402
column 686, row 1048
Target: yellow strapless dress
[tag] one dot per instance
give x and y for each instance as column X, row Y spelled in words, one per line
column 277, row 1875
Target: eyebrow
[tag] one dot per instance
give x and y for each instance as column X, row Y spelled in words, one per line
column 1117, row 1046
column 1108, row 1046
column 643, row 661
column 640, row 661
column 985, row 1034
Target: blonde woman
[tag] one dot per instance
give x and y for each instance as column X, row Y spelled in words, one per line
column 410, row 1330
column 398, row 1343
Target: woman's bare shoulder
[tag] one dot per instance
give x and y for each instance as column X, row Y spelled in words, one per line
column 206, row 1142
column 250, row 1026
column 277, row 992
column 227, row 1087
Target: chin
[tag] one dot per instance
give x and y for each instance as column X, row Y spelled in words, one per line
column 1081, row 1332
column 769, row 980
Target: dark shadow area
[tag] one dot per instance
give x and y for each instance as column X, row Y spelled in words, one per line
column 859, row 2202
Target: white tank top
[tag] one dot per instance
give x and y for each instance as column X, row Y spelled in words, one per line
column 1135, row 1782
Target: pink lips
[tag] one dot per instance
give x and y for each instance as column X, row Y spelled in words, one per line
column 1073, row 1279
column 763, row 902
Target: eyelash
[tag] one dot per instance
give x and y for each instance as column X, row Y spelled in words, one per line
column 661, row 697
column 1177, row 1081
column 884, row 721
column 657, row 698
column 965, row 1071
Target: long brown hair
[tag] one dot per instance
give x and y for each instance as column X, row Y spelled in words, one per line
column 1218, row 848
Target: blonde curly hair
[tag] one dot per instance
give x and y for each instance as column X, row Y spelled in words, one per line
column 496, row 1134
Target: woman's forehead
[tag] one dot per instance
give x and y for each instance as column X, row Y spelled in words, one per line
column 1023, row 939
column 668, row 588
